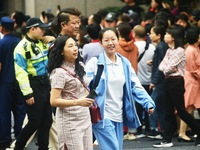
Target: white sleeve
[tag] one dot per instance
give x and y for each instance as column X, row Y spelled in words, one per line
column 91, row 69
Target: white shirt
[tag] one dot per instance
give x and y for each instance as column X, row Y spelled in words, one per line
column 114, row 94
column 144, row 70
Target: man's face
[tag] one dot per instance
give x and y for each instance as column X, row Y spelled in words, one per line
column 72, row 27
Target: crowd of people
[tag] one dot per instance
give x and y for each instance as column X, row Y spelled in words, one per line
column 149, row 85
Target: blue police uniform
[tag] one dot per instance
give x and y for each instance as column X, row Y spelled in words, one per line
column 11, row 98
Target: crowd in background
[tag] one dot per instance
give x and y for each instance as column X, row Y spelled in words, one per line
column 161, row 43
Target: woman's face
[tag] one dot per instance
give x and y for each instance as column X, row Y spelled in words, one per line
column 154, row 37
column 168, row 38
column 70, row 51
column 109, row 42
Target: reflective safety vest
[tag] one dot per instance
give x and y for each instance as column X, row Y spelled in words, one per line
column 30, row 60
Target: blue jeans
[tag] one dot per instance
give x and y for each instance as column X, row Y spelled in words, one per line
column 158, row 115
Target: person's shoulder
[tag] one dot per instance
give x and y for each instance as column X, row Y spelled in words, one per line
column 151, row 46
column 162, row 46
column 124, row 59
column 93, row 60
column 22, row 43
column 58, row 71
column 87, row 46
column 13, row 38
column 180, row 50
column 58, row 74
column 91, row 64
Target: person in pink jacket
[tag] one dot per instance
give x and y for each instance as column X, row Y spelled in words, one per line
column 191, row 77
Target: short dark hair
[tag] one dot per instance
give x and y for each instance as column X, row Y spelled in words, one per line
column 93, row 31
column 97, row 18
column 63, row 16
column 19, row 18
column 159, row 30
column 102, row 13
column 192, row 34
column 124, row 29
column 162, row 22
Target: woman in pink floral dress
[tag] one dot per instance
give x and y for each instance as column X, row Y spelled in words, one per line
column 68, row 95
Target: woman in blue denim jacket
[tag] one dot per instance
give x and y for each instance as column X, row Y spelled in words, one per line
column 117, row 91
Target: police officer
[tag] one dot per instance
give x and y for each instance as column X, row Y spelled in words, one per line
column 30, row 58
column 11, row 98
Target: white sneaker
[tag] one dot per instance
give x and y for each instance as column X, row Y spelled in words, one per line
column 163, row 144
column 95, row 143
column 140, row 136
column 158, row 137
column 154, row 135
column 126, row 136
column 129, row 136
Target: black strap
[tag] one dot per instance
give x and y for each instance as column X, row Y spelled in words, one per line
column 97, row 78
column 146, row 48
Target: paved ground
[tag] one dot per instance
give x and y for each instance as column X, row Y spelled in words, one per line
column 142, row 144
column 146, row 144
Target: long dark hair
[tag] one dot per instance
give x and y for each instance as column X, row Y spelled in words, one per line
column 56, row 59
column 177, row 32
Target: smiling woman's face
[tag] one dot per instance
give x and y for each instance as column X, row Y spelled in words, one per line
column 70, row 51
column 109, row 42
